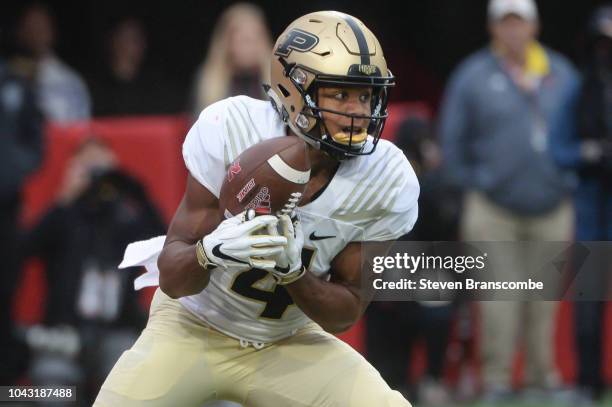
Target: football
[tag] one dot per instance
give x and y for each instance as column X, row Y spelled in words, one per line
column 269, row 177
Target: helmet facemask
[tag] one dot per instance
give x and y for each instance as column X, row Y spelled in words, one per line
column 329, row 49
column 353, row 141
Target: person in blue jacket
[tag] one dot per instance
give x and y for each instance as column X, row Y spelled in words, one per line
column 583, row 143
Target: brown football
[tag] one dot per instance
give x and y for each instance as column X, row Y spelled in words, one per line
column 267, row 177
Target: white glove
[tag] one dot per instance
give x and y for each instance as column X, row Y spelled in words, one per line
column 233, row 243
column 289, row 261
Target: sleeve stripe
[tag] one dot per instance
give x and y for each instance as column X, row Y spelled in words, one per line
column 253, row 126
column 242, row 130
column 381, row 192
column 248, row 128
column 232, row 141
column 370, row 191
column 226, row 157
column 390, row 200
column 238, row 134
column 362, row 188
column 387, row 192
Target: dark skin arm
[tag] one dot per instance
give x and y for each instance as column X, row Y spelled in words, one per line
column 180, row 274
column 337, row 304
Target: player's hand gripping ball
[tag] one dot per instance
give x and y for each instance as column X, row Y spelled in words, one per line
column 288, row 268
column 242, row 242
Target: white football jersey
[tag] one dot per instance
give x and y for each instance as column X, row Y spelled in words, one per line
column 370, row 198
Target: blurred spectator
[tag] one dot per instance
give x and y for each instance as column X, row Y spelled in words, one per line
column 62, row 94
column 440, row 201
column 81, row 239
column 20, row 154
column 237, row 62
column 125, row 84
column 495, row 125
column 583, row 143
column 394, row 328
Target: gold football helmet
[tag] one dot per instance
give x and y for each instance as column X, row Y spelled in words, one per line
column 328, row 48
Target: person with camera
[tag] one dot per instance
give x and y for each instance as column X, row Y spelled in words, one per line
column 90, row 306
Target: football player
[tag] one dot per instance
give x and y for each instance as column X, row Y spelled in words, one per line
column 247, row 314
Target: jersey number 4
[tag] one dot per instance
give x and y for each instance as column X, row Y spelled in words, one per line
column 277, row 300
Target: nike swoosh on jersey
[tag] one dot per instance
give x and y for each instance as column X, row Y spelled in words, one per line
column 315, row 237
column 216, row 251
